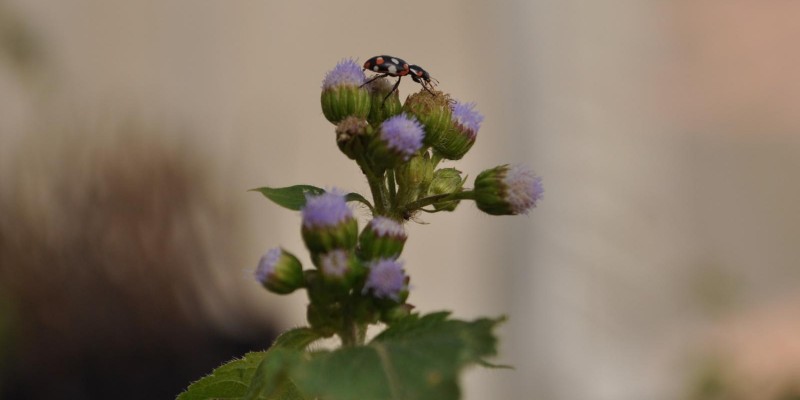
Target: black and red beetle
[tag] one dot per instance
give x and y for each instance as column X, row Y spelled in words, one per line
column 393, row 66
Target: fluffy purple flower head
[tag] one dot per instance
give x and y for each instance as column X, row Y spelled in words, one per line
column 266, row 266
column 386, row 279
column 335, row 263
column 326, row 210
column 523, row 188
column 383, row 227
column 467, row 118
column 403, row 134
column 346, row 73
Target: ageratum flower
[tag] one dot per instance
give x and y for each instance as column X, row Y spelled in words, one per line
column 337, row 266
column 386, row 280
column 279, row 271
column 400, row 137
column 508, row 190
column 456, row 141
column 432, row 111
column 382, row 238
column 328, row 223
column 342, row 94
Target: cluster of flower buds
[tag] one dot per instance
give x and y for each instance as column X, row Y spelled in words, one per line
column 350, row 268
column 357, row 278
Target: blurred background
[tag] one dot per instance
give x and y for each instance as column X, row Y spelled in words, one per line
column 663, row 262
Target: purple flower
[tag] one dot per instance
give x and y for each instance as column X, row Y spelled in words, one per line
column 335, row 263
column 386, row 279
column 523, row 188
column 467, row 119
column 383, row 226
column 346, row 73
column 326, row 210
column 402, row 134
column 266, row 266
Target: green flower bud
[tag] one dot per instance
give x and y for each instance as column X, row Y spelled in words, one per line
column 280, row 271
column 382, row 238
column 339, row 268
column 381, row 109
column 432, row 111
column 342, row 94
column 414, row 177
column 328, row 224
column 456, row 141
column 399, row 139
column 350, row 134
column 446, row 181
column 507, row 190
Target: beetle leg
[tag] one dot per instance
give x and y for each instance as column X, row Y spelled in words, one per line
column 374, row 78
column 392, row 91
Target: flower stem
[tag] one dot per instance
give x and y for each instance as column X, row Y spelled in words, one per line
column 416, row 205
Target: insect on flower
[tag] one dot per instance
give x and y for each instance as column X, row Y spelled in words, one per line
column 393, row 66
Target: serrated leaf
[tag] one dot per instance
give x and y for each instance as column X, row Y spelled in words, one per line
column 294, row 197
column 417, row 358
column 291, row 197
column 233, row 380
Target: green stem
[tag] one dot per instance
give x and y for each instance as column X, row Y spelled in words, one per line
column 377, row 185
column 416, row 205
column 392, row 187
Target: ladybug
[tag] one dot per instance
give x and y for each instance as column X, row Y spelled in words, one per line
column 393, row 66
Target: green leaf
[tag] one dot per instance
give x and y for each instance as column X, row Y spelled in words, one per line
column 233, row 380
column 357, row 197
column 294, row 197
column 416, row 358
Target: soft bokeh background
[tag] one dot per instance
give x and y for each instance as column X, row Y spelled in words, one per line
column 663, row 262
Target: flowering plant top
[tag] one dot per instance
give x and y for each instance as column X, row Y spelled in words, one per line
column 357, row 278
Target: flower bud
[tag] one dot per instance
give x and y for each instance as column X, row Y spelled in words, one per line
column 382, row 238
column 432, row 111
column 349, row 135
column 339, row 267
column 456, row 141
column 328, row 224
column 280, row 271
column 382, row 109
column 446, row 181
column 507, row 190
column 342, row 94
column 386, row 279
column 414, row 177
column 400, row 138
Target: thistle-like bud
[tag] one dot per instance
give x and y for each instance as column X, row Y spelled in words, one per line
column 339, row 267
column 446, row 181
column 400, row 137
column 280, row 271
column 382, row 109
column 349, row 135
column 456, row 141
column 386, row 279
column 382, row 238
column 432, row 111
column 328, row 224
column 342, row 94
column 414, row 177
column 507, row 190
